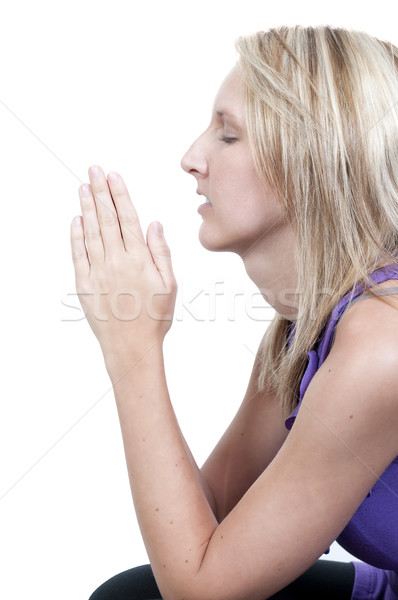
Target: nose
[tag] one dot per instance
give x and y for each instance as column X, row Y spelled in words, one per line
column 194, row 160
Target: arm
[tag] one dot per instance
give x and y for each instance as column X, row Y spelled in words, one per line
column 251, row 441
column 247, row 447
column 298, row 505
column 233, row 466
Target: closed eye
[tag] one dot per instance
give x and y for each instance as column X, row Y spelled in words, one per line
column 228, row 140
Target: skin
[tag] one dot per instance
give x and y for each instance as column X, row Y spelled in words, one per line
column 228, row 531
column 244, row 216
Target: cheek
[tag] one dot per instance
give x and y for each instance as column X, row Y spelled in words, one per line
column 243, row 204
column 252, row 201
column 260, row 218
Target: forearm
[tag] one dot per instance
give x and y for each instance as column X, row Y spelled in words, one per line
column 173, row 511
column 202, row 480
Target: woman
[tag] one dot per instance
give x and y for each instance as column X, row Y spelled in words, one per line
column 299, row 168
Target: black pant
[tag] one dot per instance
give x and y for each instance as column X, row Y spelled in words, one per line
column 325, row 580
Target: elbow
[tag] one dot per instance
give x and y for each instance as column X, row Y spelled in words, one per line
column 193, row 585
column 214, row 584
column 199, row 585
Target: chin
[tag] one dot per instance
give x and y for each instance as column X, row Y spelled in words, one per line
column 218, row 243
column 214, row 243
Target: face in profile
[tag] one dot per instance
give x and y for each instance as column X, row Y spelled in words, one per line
column 239, row 210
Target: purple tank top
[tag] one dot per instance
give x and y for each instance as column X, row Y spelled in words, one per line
column 372, row 533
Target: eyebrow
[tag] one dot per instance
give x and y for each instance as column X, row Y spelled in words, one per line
column 222, row 113
column 225, row 113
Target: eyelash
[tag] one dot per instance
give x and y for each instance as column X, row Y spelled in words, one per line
column 228, row 140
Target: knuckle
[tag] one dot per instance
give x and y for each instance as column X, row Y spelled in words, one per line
column 78, row 255
column 163, row 252
column 99, row 187
column 93, row 235
column 107, row 218
column 119, row 192
column 128, row 218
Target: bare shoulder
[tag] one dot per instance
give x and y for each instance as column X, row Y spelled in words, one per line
column 369, row 330
column 356, row 388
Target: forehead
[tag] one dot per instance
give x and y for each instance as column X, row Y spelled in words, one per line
column 229, row 98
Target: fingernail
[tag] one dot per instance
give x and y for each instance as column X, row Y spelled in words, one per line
column 84, row 190
column 76, row 221
column 158, row 228
column 113, row 177
column 94, row 171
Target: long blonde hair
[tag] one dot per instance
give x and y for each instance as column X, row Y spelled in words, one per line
column 322, row 115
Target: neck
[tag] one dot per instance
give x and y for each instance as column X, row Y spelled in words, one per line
column 271, row 265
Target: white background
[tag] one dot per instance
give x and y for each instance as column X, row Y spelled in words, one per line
column 126, row 85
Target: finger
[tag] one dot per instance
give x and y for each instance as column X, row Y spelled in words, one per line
column 161, row 254
column 79, row 251
column 106, row 211
column 129, row 223
column 92, row 231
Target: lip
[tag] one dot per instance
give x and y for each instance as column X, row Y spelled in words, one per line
column 205, row 206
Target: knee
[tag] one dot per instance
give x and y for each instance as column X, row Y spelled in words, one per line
column 134, row 584
column 101, row 593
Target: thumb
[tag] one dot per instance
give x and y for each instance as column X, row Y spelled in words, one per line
column 160, row 253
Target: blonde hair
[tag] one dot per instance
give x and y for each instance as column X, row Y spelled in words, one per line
column 322, row 115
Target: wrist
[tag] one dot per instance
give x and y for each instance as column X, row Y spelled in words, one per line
column 121, row 363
